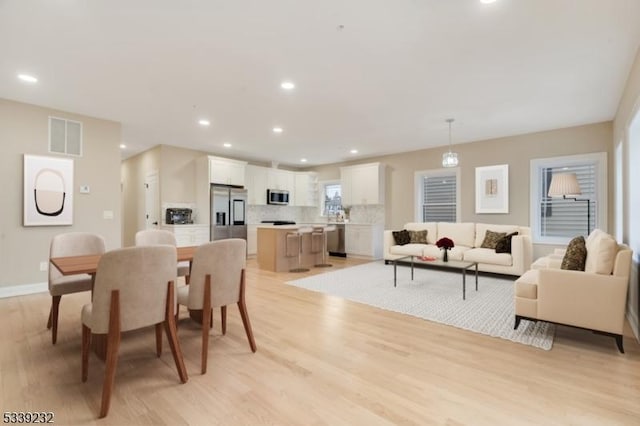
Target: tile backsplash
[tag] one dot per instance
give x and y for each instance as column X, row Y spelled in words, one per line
column 359, row 214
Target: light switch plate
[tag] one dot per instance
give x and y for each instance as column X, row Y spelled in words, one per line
column 84, row 189
column 107, row 214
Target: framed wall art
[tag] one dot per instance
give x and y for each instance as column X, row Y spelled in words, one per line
column 492, row 189
column 48, row 191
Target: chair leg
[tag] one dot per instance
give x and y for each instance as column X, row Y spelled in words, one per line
column 55, row 305
column 159, row 339
column 618, row 338
column 517, row 322
column 223, row 315
column 113, row 344
column 86, row 344
column 172, row 335
column 242, row 306
column 206, row 318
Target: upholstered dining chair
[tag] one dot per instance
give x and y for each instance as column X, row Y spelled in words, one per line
column 217, row 280
column 62, row 245
column 152, row 237
column 134, row 288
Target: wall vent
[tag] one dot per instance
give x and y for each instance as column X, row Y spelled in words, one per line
column 65, row 136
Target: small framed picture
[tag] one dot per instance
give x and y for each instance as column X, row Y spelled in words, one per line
column 492, row 189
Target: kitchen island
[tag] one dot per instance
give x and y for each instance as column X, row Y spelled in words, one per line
column 272, row 248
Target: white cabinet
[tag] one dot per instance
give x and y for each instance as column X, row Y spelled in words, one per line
column 364, row 240
column 189, row 235
column 362, row 184
column 226, row 171
column 252, row 240
column 281, row 179
column 256, row 184
column 306, row 189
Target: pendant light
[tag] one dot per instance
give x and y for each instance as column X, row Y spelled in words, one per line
column 449, row 159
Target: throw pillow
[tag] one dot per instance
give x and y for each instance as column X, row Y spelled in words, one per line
column 491, row 239
column 401, row 237
column 576, row 255
column 418, row 237
column 504, row 244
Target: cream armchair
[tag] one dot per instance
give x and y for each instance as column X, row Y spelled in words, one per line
column 593, row 299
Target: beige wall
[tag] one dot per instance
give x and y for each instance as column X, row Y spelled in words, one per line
column 516, row 151
column 626, row 132
column 24, row 130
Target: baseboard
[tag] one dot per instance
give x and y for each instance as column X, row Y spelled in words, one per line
column 23, row 290
column 632, row 317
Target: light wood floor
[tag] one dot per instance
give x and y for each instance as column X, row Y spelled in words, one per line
column 320, row 360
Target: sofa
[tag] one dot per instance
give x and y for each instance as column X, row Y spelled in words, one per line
column 468, row 238
column 594, row 298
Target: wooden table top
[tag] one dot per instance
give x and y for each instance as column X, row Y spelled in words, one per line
column 88, row 264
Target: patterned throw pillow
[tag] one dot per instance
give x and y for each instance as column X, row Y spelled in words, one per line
column 418, row 237
column 401, row 237
column 576, row 255
column 491, row 239
column 504, row 244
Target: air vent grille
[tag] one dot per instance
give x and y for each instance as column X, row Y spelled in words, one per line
column 65, row 136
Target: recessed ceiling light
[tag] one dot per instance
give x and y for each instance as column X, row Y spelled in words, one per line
column 354, row 151
column 27, row 78
column 226, row 145
column 303, row 160
column 487, row 1
column 288, row 85
column 277, row 130
column 204, row 122
column 122, row 146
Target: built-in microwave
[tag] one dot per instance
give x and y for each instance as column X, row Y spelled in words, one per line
column 277, row 196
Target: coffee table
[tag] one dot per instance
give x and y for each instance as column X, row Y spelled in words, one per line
column 460, row 265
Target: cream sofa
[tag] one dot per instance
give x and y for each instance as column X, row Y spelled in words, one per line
column 467, row 238
column 594, row 299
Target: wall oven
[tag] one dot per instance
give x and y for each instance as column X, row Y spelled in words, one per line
column 277, row 196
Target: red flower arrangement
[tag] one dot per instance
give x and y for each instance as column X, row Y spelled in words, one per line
column 445, row 243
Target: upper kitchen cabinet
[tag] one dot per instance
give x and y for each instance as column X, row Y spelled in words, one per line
column 306, row 189
column 256, row 184
column 281, row 179
column 362, row 184
column 226, row 171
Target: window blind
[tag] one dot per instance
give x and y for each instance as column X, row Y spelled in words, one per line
column 567, row 217
column 439, row 198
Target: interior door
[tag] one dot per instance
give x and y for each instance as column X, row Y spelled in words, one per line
column 151, row 201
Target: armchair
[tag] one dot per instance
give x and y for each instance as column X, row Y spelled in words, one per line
column 593, row 299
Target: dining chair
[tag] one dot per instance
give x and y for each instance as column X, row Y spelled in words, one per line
column 218, row 279
column 134, row 288
column 62, row 245
column 151, row 237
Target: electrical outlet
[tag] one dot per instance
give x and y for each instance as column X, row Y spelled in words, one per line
column 44, row 266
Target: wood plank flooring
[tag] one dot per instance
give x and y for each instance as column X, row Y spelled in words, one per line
column 321, row 360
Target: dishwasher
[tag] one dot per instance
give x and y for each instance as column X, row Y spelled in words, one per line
column 335, row 241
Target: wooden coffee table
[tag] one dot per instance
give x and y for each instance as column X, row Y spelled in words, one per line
column 460, row 265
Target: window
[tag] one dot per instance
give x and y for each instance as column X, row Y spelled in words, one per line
column 437, row 195
column 331, row 202
column 557, row 220
column 65, row 136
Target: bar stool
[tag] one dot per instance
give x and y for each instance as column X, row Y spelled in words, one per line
column 319, row 235
column 293, row 247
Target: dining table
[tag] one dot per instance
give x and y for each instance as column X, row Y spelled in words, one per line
column 88, row 264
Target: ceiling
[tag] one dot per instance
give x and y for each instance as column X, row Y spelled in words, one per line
column 379, row 76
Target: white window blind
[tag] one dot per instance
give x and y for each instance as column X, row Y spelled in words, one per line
column 558, row 220
column 439, row 197
column 568, row 217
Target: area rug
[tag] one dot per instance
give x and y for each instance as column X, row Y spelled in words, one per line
column 435, row 295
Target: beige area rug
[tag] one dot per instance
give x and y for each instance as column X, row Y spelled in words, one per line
column 435, row 295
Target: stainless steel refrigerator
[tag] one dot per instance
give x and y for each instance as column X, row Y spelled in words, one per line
column 228, row 212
